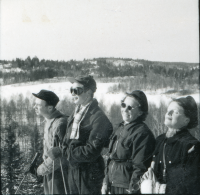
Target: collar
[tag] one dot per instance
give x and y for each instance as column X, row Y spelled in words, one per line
column 129, row 125
column 177, row 136
column 136, row 121
column 88, row 104
column 93, row 105
column 54, row 115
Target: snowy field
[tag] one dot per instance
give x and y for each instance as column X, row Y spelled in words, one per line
column 62, row 89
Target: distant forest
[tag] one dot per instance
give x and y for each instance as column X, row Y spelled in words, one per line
column 35, row 69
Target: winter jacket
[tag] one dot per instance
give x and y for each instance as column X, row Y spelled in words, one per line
column 130, row 154
column 182, row 160
column 84, row 153
column 54, row 131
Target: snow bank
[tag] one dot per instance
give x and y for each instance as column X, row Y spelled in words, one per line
column 63, row 90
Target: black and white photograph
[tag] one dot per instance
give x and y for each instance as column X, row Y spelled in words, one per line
column 99, row 97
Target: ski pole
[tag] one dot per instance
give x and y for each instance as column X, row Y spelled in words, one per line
column 53, row 177
column 62, row 174
column 20, row 184
column 32, row 163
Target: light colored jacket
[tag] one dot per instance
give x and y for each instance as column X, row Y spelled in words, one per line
column 54, row 131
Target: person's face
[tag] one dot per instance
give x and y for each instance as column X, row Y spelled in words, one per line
column 41, row 109
column 79, row 99
column 175, row 117
column 130, row 115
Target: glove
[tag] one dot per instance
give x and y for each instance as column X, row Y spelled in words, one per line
column 54, row 153
column 150, row 187
column 149, row 184
column 42, row 170
column 98, row 142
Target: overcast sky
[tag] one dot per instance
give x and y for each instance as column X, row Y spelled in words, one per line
column 159, row 30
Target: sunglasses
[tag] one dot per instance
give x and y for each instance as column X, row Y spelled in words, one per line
column 77, row 90
column 123, row 105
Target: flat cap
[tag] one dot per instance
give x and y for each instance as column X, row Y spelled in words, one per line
column 49, row 96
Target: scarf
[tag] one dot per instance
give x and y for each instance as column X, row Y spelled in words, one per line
column 79, row 115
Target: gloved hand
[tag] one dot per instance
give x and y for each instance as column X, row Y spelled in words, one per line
column 54, row 153
column 42, row 170
column 98, row 141
column 149, row 183
column 150, row 187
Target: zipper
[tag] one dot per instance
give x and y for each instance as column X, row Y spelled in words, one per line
column 116, row 147
column 118, row 141
column 114, row 153
column 112, row 166
column 164, row 162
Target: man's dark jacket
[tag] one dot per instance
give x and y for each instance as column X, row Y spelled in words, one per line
column 131, row 149
column 182, row 159
column 86, row 165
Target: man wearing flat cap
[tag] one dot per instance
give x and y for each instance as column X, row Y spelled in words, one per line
column 54, row 172
column 88, row 133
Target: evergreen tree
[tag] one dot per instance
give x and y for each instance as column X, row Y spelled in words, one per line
column 10, row 157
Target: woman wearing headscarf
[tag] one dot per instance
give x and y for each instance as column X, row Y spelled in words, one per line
column 131, row 147
column 176, row 162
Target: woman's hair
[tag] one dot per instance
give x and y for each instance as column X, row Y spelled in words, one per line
column 144, row 114
column 190, row 110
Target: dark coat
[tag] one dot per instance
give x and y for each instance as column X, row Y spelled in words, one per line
column 182, row 164
column 84, row 154
column 131, row 148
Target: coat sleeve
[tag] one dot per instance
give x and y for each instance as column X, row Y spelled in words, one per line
column 47, row 166
column 100, row 131
column 143, row 148
column 185, row 177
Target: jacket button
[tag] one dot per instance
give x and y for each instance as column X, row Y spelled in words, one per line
column 169, row 161
column 160, row 161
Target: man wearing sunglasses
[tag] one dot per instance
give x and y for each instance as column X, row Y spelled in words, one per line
column 88, row 133
column 131, row 147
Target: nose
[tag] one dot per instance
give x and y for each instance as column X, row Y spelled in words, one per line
column 170, row 112
column 126, row 109
column 73, row 94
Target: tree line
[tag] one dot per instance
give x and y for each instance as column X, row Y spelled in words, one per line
column 35, row 69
